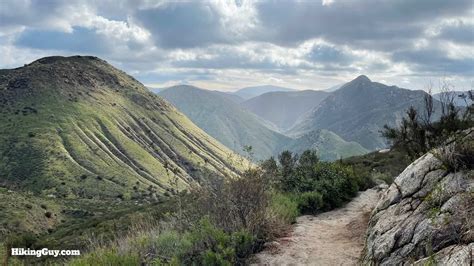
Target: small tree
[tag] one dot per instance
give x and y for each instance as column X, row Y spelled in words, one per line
column 287, row 164
column 417, row 135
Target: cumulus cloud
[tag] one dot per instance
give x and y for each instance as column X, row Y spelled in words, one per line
column 302, row 44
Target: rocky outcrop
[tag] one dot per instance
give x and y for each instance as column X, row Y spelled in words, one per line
column 426, row 216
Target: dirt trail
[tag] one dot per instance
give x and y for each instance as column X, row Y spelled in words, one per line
column 330, row 238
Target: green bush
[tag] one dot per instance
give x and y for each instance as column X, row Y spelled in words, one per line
column 283, row 208
column 171, row 245
column 309, row 202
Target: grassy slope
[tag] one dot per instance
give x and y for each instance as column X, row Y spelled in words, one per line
column 388, row 164
column 225, row 120
column 329, row 145
column 95, row 131
column 78, row 131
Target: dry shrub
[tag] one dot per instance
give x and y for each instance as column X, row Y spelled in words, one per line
column 457, row 155
column 231, row 205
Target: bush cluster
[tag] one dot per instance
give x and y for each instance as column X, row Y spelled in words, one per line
column 313, row 185
column 225, row 221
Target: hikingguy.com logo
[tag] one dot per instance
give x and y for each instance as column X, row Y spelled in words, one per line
column 43, row 252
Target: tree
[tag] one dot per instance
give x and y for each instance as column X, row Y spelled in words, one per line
column 287, row 164
column 417, row 135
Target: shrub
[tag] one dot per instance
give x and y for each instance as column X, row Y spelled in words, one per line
column 283, row 208
column 171, row 246
column 382, row 177
column 309, row 202
column 457, row 155
column 417, row 134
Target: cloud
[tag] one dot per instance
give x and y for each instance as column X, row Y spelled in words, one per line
column 309, row 44
column 192, row 24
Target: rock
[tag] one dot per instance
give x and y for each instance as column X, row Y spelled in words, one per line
column 425, row 216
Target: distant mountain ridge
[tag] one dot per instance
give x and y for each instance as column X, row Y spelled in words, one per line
column 224, row 119
column 235, row 127
column 250, row 92
column 358, row 111
column 284, row 108
column 329, row 146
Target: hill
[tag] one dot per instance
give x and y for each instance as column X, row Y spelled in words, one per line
column 284, row 108
column 233, row 97
column 330, row 146
column 359, row 109
column 250, row 92
column 78, row 127
column 236, row 127
column 225, row 120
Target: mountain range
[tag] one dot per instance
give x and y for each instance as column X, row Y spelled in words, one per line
column 349, row 117
column 284, row 108
column 236, row 127
column 250, row 92
column 78, row 127
column 358, row 111
column 225, row 120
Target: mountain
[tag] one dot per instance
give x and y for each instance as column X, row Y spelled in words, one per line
column 460, row 98
column 330, row 146
column 334, row 88
column 235, row 127
column 225, row 120
column 358, row 111
column 78, row 127
column 284, row 108
column 233, row 97
column 250, row 92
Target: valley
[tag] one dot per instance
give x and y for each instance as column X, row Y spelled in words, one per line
column 89, row 154
column 236, row 132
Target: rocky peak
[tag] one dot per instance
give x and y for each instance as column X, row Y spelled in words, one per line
column 361, row 78
column 424, row 216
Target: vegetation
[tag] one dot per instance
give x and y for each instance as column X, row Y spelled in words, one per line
column 419, row 133
column 226, row 221
column 379, row 166
column 225, row 120
column 76, row 127
column 314, row 185
column 238, row 128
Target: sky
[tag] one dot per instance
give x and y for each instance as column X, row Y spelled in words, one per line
column 224, row 45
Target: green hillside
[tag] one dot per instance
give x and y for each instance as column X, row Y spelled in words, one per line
column 359, row 110
column 284, row 108
column 235, row 127
column 225, row 120
column 78, row 127
column 330, row 146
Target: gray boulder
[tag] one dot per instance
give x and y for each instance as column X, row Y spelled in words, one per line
column 426, row 217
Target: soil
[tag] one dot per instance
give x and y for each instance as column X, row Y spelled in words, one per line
column 331, row 238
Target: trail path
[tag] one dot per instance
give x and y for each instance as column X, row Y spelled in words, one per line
column 331, row 238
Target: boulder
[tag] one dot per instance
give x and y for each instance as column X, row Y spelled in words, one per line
column 425, row 216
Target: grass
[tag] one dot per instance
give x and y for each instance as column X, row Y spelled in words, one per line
column 96, row 149
column 113, row 128
column 382, row 166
